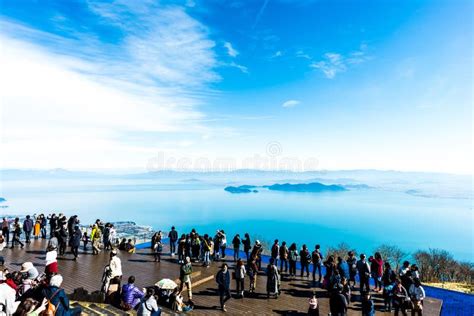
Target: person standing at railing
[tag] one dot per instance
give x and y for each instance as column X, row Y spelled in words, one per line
column 173, row 236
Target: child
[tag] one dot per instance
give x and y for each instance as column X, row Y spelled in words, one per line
column 368, row 308
column 158, row 248
column 85, row 240
column 313, row 306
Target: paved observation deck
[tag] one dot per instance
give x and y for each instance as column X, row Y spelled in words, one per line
column 86, row 272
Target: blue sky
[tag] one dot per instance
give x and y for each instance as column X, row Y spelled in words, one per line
column 348, row 84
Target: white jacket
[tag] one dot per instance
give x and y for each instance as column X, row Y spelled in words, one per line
column 115, row 267
column 7, row 300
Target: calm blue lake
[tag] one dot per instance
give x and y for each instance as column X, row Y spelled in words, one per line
column 361, row 218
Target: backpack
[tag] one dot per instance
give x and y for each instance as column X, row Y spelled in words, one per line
column 50, row 307
column 293, row 255
column 316, row 257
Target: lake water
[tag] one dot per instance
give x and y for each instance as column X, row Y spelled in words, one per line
column 361, row 218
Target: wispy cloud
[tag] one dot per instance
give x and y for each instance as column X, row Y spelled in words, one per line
column 86, row 96
column 242, row 68
column 290, row 103
column 260, row 13
column 231, row 51
column 334, row 63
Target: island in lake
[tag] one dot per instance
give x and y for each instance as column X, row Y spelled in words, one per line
column 2, row 200
column 307, row 187
column 241, row 189
column 288, row 187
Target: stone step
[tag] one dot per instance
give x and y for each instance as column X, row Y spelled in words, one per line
column 85, row 309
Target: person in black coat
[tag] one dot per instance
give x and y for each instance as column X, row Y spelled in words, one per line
column 223, row 282
column 75, row 241
column 338, row 303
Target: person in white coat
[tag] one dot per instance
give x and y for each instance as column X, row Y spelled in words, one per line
column 7, row 300
column 112, row 271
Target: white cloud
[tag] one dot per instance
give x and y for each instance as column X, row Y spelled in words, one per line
column 334, row 63
column 231, row 50
column 278, row 53
column 290, row 103
column 331, row 65
column 242, row 68
column 76, row 102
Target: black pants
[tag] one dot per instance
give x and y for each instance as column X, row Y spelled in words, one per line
column 283, row 262
column 364, row 282
column 27, row 236
column 6, row 234
column 304, row 266
column 224, row 296
column 240, row 285
column 16, row 239
column 317, row 266
column 158, row 256
column 292, row 267
column 75, row 251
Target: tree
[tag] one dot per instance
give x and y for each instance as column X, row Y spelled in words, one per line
column 340, row 250
column 392, row 254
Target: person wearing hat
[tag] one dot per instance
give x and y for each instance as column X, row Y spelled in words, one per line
column 113, row 271
column 29, row 275
column 51, row 261
column 257, row 254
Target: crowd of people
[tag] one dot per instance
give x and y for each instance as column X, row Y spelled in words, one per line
column 29, row 292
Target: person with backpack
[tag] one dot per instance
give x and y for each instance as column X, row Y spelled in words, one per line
column 157, row 249
column 417, row 295
column 317, row 258
column 388, row 281
column 173, row 236
column 292, row 259
column 283, row 253
column 206, row 247
column 148, row 305
column 257, row 254
column 236, row 242
column 352, row 263
column 185, row 277
column 58, row 302
column 181, row 248
column 305, row 260
column 28, row 228
column 363, row 269
column 223, row 285
column 252, row 271
column 16, row 234
column 240, row 272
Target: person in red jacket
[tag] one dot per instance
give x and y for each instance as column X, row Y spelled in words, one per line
column 376, row 267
